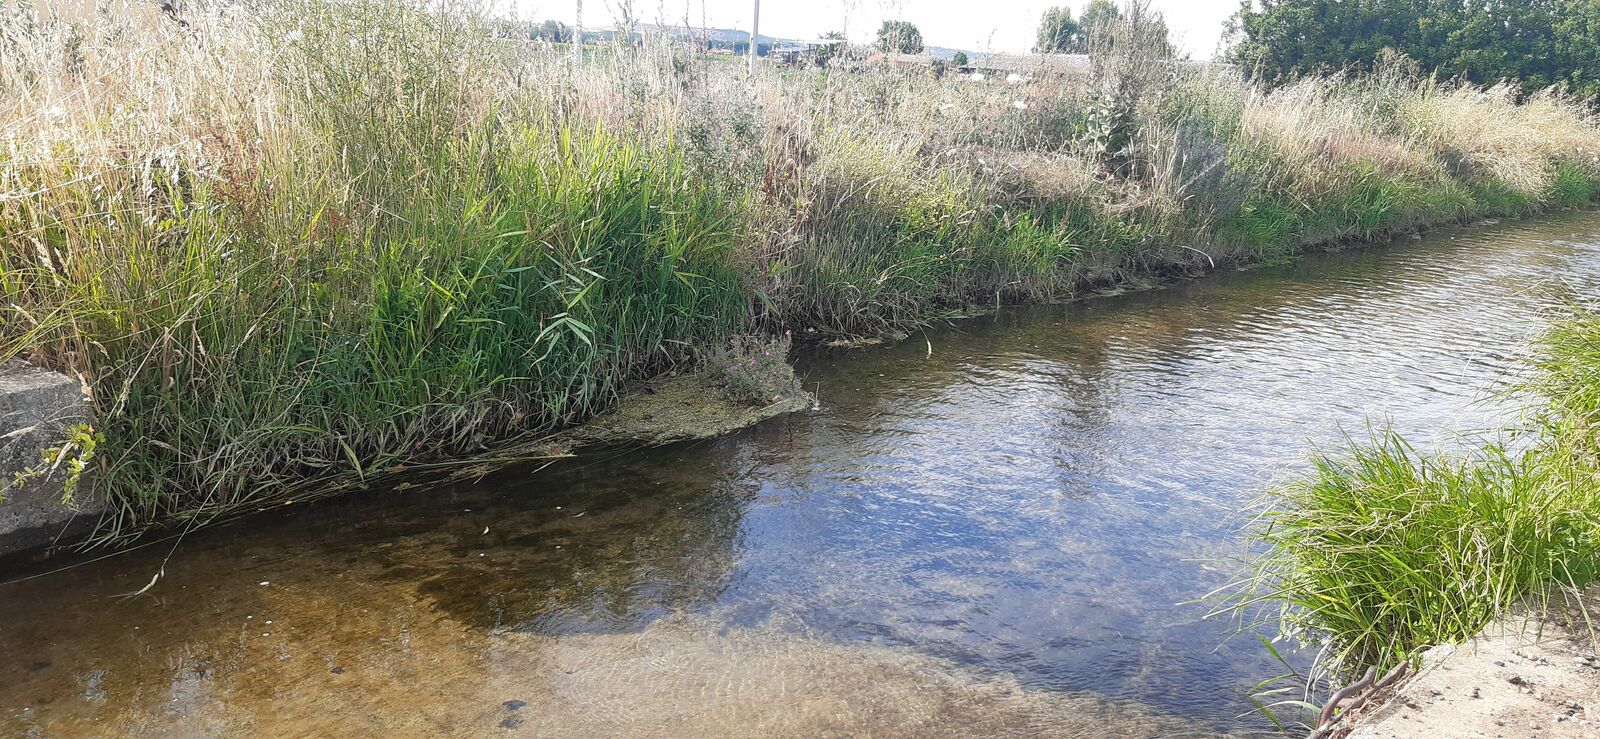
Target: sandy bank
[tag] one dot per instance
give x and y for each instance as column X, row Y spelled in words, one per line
column 1533, row 674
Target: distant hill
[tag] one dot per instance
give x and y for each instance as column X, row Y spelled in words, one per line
column 940, row 52
column 717, row 36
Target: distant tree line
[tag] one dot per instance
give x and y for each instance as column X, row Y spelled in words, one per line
column 1541, row 43
column 555, row 31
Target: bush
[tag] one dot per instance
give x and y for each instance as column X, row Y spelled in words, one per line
column 753, row 370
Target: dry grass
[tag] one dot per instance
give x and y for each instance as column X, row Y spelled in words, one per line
column 1488, row 131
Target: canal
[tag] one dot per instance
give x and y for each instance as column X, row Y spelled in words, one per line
column 1003, row 525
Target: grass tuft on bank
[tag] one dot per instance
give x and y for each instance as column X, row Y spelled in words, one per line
column 1382, row 550
column 1385, row 551
column 293, row 245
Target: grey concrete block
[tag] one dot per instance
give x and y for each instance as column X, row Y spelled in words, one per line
column 37, row 407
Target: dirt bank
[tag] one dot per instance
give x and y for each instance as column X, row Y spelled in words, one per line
column 1534, row 674
column 669, row 408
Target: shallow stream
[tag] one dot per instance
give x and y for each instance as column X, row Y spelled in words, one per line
column 998, row 526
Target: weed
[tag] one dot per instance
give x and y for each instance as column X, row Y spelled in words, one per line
column 753, row 369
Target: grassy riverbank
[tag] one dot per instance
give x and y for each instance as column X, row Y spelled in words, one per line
column 1383, row 551
column 319, row 241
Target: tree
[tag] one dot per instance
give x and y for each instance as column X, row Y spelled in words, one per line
column 1059, row 33
column 1099, row 13
column 959, row 60
column 822, row 54
column 899, row 37
column 1537, row 42
column 553, row 31
column 1097, row 21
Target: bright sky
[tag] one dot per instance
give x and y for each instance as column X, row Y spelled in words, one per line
column 997, row 25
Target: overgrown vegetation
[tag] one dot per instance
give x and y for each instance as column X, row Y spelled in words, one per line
column 313, row 242
column 1382, row 551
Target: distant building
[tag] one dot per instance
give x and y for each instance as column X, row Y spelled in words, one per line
column 1015, row 68
column 1011, row 67
column 790, row 54
column 800, row 53
column 901, row 61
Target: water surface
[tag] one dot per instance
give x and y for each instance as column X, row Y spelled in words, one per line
column 996, row 527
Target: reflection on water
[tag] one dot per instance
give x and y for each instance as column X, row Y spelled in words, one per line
column 996, row 528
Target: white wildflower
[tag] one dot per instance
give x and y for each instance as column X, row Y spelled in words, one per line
column 1019, row 105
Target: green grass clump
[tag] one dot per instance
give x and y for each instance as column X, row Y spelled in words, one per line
column 1381, row 551
column 1572, row 188
column 1386, row 551
column 496, row 308
column 1568, row 375
column 1269, row 227
column 392, row 276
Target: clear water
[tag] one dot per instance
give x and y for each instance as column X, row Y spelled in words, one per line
column 997, row 527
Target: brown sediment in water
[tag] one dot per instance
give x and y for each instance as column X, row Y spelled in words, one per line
column 669, row 680
column 216, row 653
column 587, row 616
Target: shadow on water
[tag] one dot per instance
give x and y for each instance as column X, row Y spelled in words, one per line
column 996, row 527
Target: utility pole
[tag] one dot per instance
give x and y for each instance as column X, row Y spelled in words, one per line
column 755, row 33
column 577, row 35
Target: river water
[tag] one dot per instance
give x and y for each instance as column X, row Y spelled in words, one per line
column 997, row 527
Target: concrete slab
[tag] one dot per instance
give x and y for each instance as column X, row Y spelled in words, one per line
column 37, row 407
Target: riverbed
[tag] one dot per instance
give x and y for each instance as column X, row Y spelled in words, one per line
column 1002, row 525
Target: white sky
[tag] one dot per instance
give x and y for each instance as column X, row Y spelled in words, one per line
column 996, row 25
